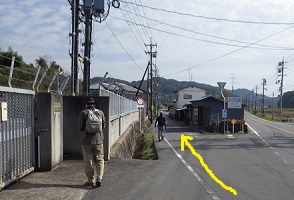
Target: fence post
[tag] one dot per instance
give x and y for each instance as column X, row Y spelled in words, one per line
column 11, row 71
column 36, row 78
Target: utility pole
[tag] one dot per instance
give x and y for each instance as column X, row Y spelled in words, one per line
column 252, row 100
column 151, row 54
column 233, row 81
column 263, row 88
column 86, row 13
column 273, row 106
column 74, row 46
column 255, row 99
column 281, row 70
column 156, row 89
column 87, row 52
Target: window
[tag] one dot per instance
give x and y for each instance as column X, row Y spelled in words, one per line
column 187, row 96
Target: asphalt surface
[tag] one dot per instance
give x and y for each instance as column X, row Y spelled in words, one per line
column 258, row 165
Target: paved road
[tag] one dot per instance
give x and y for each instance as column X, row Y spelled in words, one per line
column 258, row 165
column 243, row 161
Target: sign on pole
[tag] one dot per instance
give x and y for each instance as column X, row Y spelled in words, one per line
column 235, row 102
column 224, row 113
column 140, row 103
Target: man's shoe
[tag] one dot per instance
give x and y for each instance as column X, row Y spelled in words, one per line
column 98, row 184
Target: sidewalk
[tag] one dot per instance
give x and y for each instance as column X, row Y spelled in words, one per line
column 64, row 182
column 124, row 179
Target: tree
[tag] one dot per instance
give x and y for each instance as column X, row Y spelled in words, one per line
column 288, row 100
column 6, row 58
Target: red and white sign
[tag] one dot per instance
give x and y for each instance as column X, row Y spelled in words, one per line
column 140, row 103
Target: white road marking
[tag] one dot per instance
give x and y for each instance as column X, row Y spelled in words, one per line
column 284, row 160
column 205, row 185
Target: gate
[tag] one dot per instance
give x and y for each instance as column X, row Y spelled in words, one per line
column 16, row 134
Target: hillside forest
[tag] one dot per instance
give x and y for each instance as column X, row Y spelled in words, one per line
column 24, row 75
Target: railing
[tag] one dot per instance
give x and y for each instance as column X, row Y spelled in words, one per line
column 118, row 105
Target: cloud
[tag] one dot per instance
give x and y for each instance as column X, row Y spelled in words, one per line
column 36, row 28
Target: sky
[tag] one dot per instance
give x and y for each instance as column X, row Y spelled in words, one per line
column 237, row 42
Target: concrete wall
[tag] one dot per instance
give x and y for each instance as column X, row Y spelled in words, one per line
column 126, row 145
column 73, row 105
column 56, row 121
column 49, row 124
column 119, row 126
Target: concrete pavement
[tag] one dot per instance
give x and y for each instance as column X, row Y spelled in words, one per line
column 123, row 179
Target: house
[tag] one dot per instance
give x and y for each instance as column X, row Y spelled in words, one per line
column 208, row 111
column 185, row 95
column 181, row 106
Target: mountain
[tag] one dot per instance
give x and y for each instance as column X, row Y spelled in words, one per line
column 250, row 97
column 167, row 88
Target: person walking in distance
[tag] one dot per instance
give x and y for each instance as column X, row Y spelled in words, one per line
column 92, row 121
column 160, row 121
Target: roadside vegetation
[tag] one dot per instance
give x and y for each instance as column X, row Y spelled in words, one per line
column 273, row 114
column 146, row 149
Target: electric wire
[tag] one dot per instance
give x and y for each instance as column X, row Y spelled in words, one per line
column 146, row 20
column 229, row 53
column 212, row 18
column 133, row 31
column 122, row 46
column 140, row 19
column 208, row 35
column 135, row 23
column 207, row 41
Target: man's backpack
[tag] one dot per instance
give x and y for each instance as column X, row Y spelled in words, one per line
column 93, row 122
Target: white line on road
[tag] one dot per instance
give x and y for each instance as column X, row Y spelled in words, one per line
column 205, row 185
column 284, row 160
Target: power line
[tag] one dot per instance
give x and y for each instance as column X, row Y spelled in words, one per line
column 139, row 16
column 122, row 46
column 208, row 41
column 229, row 53
column 188, row 30
column 135, row 23
column 146, row 20
column 133, row 31
column 212, row 18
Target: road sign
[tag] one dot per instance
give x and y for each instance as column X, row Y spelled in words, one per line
column 221, row 84
column 235, row 102
column 140, row 103
column 233, row 121
column 242, row 121
column 224, row 113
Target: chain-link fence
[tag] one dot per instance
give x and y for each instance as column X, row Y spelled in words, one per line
column 17, row 134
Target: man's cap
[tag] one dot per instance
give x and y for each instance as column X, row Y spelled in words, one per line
column 90, row 100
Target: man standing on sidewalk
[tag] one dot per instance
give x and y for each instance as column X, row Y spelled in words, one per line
column 161, row 122
column 91, row 121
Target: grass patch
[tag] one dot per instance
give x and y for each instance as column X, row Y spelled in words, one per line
column 148, row 148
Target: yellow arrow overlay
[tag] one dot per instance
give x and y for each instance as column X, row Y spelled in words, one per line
column 185, row 141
